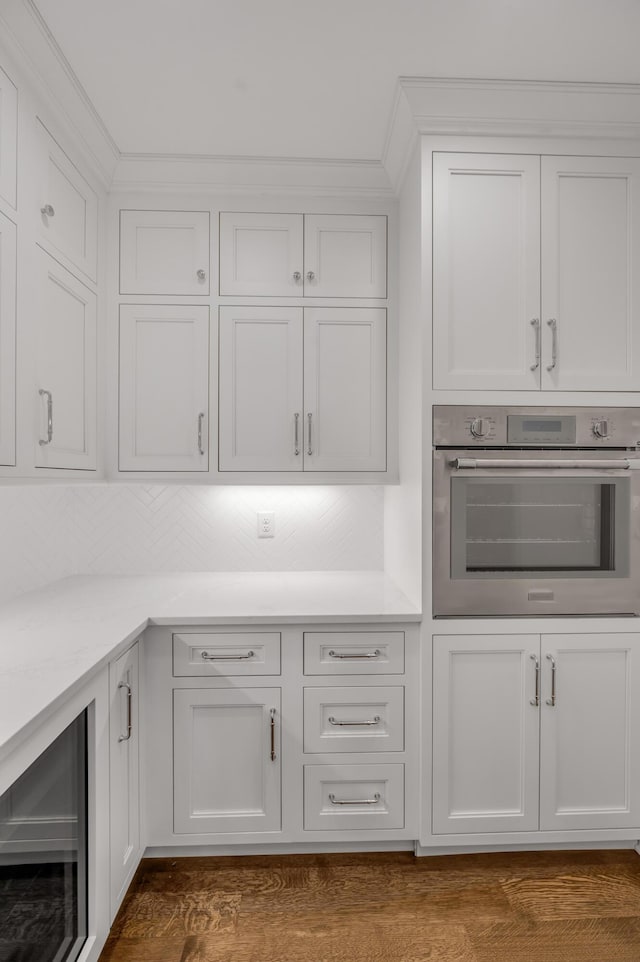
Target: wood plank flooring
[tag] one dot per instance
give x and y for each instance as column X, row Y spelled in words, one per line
column 391, row 907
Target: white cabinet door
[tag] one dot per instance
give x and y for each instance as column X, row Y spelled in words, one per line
column 164, row 252
column 260, row 384
column 164, row 388
column 590, row 750
column 345, row 390
column 67, row 208
column 485, row 733
column 65, row 370
column 261, row 254
column 124, row 783
column 7, row 340
column 345, row 255
column 8, row 139
column 226, row 762
column 591, row 273
column 486, row 271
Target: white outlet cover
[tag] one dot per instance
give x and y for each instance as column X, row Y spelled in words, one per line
column 266, row 524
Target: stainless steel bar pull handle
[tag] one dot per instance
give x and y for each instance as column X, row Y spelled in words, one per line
column 552, row 701
column 309, row 448
column 272, row 729
column 296, row 433
column 49, row 398
column 354, row 801
column 344, row 724
column 595, row 464
column 368, row 654
column 535, row 324
column 200, row 423
column 535, row 701
column 553, row 325
column 207, row 657
column 125, row 738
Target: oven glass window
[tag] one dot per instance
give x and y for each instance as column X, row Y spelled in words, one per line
column 510, row 527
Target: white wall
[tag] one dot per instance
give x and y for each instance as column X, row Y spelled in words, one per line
column 51, row 531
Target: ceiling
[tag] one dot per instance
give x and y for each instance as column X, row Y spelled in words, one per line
column 295, row 79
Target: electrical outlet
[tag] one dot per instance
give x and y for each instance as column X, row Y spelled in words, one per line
column 266, row 524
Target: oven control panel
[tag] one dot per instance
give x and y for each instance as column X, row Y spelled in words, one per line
column 466, row 426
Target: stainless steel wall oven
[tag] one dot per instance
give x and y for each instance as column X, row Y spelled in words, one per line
column 536, row 511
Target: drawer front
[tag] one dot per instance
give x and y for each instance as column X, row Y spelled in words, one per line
column 220, row 653
column 353, row 797
column 353, row 652
column 354, row 719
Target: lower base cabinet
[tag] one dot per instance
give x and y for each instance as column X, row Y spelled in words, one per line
column 536, row 732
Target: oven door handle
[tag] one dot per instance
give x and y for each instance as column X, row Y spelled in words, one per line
column 618, row 464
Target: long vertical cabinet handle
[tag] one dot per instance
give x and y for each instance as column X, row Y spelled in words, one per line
column 200, row 422
column 553, row 325
column 552, row 701
column 309, row 447
column 272, row 732
column 535, row 324
column 49, row 398
column 125, row 738
column 535, row 701
column 296, row 433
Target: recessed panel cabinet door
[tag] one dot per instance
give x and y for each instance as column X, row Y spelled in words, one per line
column 164, row 388
column 345, row 389
column 65, row 370
column 7, row 341
column 226, row 764
column 8, row 139
column 591, row 273
column 590, row 732
column 486, row 271
column 124, row 772
column 485, row 734
column 345, row 255
column 260, row 384
column 261, row 254
column 164, row 252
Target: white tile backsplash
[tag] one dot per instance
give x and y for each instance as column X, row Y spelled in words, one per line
column 50, row 531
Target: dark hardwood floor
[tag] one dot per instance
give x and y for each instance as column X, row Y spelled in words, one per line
column 522, row 907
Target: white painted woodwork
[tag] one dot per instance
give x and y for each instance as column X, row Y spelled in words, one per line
column 590, row 756
column 72, row 229
column 485, row 734
column 164, row 388
column 224, row 777
column 65, row 366
column 353, row 652
column 345, row 389
column 362, row 719
column 8, row 139
column 7, row 336
column 163, row 251
column 346, row 254
column 260, row 253
column 124, row 785
column 486, row 273
column 358, row 786
column 260, row 389
column 228, row 653
column 591, row 272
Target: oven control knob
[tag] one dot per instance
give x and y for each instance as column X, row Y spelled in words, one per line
column 480, row 427
column 601, row 428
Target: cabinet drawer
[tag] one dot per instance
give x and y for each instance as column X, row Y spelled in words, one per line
column 353, row 797
column 354, row 719
column 353, row 652
column 226, row 653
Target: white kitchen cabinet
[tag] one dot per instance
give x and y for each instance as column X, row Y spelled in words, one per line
column 65, row 369
column 516, row 751
column 67, row 208
column 311, row 255
column 302, row 390
column 353, row 798
column 164, row 388
column 359, row 719
column 124, row 785
column 7, row 340
column 226, row 762
column 164, row 252
column 8, row 139
column 535, row 272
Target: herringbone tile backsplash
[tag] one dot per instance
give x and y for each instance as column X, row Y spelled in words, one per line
column 50, row 531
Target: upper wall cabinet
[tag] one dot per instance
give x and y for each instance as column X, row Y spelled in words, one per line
column 310, row 255
column 164, row 252
column 67, row 209
column 7, row 341
column 536, row 272
column 8, row 139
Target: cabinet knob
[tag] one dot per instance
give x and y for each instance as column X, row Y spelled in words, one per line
column 310, row 276
column 47, row 210
column 201, row 274
column 297, row 275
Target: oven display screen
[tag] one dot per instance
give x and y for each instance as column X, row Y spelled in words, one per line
column 529, row 429
column 542, row 426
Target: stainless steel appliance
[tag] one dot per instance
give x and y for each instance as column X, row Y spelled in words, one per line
column 536, row 511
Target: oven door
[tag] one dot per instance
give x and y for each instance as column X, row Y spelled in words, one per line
column 550, row 533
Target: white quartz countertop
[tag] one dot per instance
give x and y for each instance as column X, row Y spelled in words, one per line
column 54, row 639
